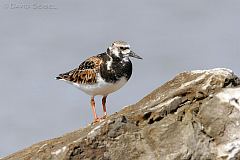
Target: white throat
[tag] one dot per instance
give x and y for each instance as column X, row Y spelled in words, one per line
column 126, row 59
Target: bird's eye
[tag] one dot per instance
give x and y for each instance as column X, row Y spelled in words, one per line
column 121, row 47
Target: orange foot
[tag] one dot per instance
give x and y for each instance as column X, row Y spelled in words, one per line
column 97, row 120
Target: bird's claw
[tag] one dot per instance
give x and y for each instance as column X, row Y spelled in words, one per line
column 96, row 120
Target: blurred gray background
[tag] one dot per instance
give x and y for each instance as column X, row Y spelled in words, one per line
column 41, row 38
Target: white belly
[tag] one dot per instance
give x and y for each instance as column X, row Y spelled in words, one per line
column 102, row 87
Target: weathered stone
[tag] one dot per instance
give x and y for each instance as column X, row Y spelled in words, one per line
column 194, row 116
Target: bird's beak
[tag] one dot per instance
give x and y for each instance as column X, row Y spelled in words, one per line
column 132, row 54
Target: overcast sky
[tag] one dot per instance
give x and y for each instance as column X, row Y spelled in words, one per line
column 41, row 38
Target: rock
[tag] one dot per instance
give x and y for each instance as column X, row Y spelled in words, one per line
column 194, row 116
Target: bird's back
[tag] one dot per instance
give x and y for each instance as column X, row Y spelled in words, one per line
column 86, row 73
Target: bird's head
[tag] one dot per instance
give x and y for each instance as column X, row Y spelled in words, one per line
column 122, row 49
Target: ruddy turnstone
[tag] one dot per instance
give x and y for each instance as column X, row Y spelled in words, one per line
column 102, row 74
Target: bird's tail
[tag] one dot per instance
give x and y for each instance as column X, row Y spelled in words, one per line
column 59, row 77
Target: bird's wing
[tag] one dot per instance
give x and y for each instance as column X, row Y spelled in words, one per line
column 86, row 73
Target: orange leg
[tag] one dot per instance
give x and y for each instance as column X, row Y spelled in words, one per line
column 104, row 106
column 96, row 119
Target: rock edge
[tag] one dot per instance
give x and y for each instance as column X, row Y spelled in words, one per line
column 196, row 115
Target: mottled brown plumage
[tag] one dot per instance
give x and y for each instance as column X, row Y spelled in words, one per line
column 86, row 73
column 103, row 74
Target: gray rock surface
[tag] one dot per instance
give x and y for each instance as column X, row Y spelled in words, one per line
column 195, row 116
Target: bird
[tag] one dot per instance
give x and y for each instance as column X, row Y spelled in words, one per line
column 102, row 74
